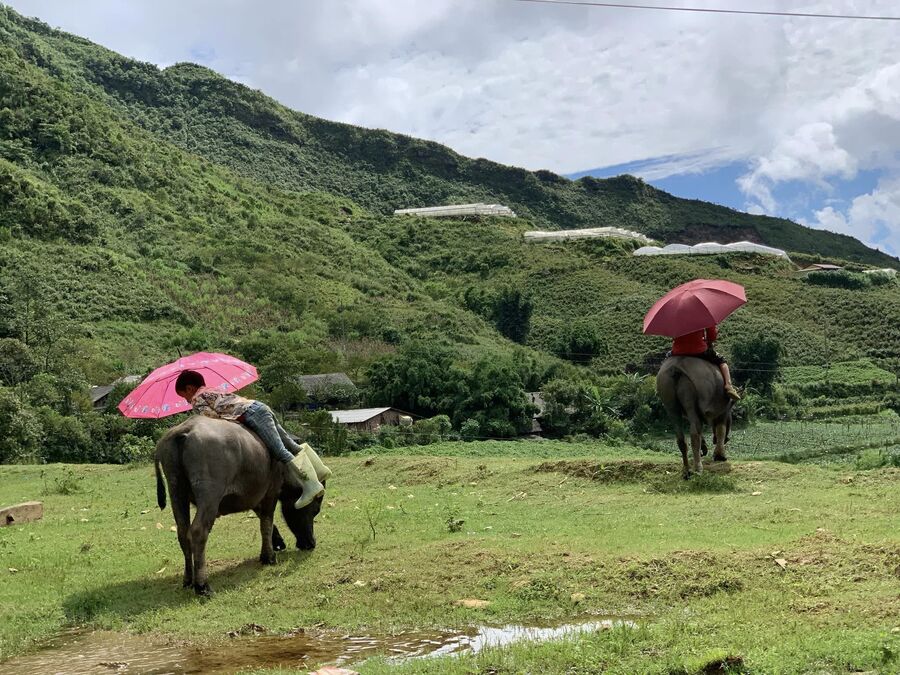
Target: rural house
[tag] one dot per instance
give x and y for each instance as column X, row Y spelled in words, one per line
column 367, row 419
column 100, row 394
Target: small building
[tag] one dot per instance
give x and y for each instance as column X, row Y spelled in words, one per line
column 367, row 419
column 459, row 211
column 328, row 388
column 100, row 394
column 820, row 267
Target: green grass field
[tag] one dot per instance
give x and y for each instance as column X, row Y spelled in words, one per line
column 694, row 561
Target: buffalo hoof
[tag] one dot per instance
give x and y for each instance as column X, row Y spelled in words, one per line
column 204, row 591
column 278, row 541
column 306, row 545
column 187, row 583
column 267, row 559
column 720, row 458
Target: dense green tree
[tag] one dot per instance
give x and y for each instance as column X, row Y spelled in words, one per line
column 495, row 398
column 17, row 362
column 420, row 378
column 20, row 429
column 512, row 314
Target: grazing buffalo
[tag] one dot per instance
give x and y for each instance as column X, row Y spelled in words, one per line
column 693, row 388
column 222, row 467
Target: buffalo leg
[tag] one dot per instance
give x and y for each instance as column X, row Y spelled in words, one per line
column 266, row 513
column 682, row 445
column 719, row 454
column 696, row 442
column 199, row 533
column 277, row 540
column 181, row 509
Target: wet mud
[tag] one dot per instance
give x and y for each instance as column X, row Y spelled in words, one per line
column 82, row 652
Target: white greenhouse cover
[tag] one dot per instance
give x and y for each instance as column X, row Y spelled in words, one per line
column 459, row 210
column 711, row 247
column 585, row 233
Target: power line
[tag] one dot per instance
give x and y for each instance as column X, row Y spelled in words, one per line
column 709, row 10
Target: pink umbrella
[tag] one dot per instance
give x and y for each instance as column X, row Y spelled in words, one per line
column 693, row 306
column 155, row 397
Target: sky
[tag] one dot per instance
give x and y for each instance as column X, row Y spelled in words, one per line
column 795, row 117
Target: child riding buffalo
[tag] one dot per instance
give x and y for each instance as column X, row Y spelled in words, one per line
column 304, row 468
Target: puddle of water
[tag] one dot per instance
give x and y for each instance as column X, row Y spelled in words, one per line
column 506, row 635
column 78, row 652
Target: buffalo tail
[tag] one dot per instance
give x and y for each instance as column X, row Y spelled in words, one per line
column 160, row 488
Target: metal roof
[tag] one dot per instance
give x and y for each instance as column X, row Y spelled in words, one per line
column 98, row 393
column 356, row 416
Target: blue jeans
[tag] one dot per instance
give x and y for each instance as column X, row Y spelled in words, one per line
column 260, row 418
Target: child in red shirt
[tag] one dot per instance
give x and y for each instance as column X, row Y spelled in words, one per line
column 700, row 344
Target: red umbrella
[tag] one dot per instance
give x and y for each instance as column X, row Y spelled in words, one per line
column 693, row 306
column 155, row 397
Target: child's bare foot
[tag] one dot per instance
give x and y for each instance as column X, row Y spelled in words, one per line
column 733, row 393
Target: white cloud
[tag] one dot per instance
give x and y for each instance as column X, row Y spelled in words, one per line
column 873, row 218
column 811, row 153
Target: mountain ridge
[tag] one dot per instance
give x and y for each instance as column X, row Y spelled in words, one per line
column 257, row 137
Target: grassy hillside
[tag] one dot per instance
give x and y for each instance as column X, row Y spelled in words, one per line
column 150, row 248
column 231, row 125
column 124, row 240
column 596, row 286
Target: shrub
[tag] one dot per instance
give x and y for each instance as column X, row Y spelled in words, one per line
column 756, row 359
column 876, row 458
column 65, row 438
column 20, row 428
column 134, row 449
column 840, row 279
column 17, row 362
column 882, row 277
column 469, row 430
column 432, row 430
column 323, row 433
column 578, row 407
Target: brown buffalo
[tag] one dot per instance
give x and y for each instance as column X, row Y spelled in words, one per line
column 222, row 467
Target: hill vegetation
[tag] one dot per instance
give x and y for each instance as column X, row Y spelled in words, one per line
column 146, row 212
column 248, row 132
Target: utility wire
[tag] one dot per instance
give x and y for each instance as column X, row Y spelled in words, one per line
column 709, row 10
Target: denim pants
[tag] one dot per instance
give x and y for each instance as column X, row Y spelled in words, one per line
column 260, row 418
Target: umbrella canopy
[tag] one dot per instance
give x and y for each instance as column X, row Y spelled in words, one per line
column 693, row 306
column 155, row 397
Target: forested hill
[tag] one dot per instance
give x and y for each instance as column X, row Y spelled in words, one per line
column 146, row 213
column 231, row 125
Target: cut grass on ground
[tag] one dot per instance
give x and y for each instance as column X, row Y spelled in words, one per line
column 695, row 559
